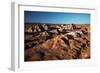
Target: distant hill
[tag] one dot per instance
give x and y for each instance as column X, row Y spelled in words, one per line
column 49, row 23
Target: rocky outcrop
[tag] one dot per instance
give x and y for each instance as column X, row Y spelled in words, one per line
column 56, row 42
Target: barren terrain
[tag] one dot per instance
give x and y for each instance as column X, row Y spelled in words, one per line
column 56, row 41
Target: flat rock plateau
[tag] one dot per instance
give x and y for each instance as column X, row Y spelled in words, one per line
column 44, row 42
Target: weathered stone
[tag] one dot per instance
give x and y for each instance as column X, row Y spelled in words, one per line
column 57, row 42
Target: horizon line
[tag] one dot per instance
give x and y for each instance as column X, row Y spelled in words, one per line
column 52, row 23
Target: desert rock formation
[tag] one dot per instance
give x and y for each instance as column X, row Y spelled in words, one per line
column 56, row 41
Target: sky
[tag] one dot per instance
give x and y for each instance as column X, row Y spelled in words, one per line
column 56, row 17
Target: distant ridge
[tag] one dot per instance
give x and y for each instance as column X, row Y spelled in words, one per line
column 53, row 23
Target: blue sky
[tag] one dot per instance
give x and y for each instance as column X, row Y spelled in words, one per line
column 56, row 17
